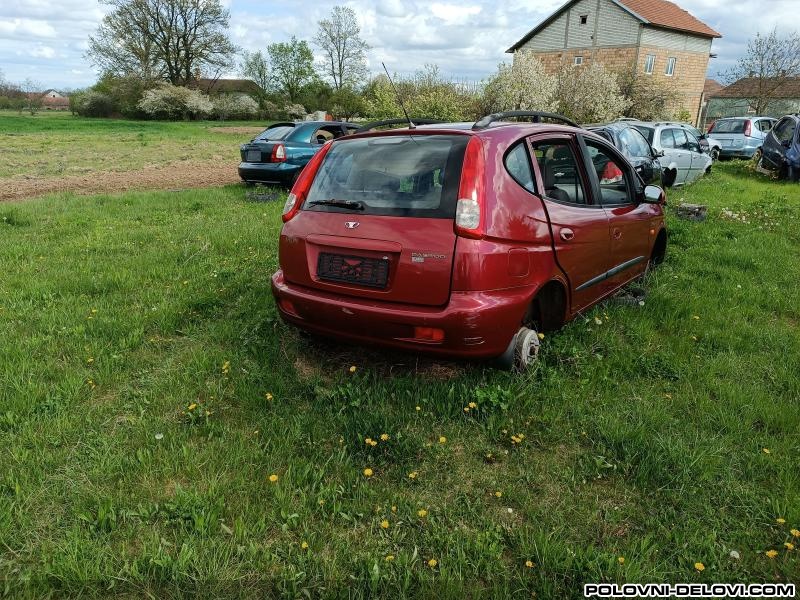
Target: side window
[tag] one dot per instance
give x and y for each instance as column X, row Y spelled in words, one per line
column 667, row 139
column 519, row 167
column 560, row 174
column 615, row 187
column 692, row 143
column 633, row 143
column 784, row 130
column 644, row 145
column 680, row 139
column 764, row 125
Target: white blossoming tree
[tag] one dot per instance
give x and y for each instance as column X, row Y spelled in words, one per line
column 589, row 94
column 523, row 85
column 174, row 102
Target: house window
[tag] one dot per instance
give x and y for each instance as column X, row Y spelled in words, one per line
column 578, row 61
column 670, row 66
column 584, row 19
column 649, row 63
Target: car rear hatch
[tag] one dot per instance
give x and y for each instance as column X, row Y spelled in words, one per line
column 730, row 132
column 269, row 146
column 377, row 219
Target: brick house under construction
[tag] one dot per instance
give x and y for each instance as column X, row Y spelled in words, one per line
column 656, row 36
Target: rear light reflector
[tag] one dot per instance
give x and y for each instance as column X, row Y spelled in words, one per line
column 428, row 334
column 288, row 307
column 471, row 192
column 303, row 184
column 747, row 128
column 278, row 153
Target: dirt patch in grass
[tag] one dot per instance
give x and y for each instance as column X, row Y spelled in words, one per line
column 237, row 130
column 180, row 175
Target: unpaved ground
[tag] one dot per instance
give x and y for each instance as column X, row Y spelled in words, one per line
column 188, row 174
column 237, row 130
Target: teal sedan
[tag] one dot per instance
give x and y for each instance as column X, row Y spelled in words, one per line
column 279, row 153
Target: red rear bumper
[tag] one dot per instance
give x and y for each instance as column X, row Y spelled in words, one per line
column 475, row 324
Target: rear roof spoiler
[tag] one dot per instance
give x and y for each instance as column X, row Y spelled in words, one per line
column 376, row 124
column 536, row 115
column 282, row 124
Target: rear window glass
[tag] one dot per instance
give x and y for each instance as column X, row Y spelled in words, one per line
column 275, row 133
column 729, row 126
column 397, row 175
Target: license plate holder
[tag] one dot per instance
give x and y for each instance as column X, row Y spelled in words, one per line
column 356, row 270
column 253, row 156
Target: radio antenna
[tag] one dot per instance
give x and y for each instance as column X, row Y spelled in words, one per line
column 399, row 99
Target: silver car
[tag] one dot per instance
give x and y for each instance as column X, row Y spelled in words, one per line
column 741, row 137
column 684, row 159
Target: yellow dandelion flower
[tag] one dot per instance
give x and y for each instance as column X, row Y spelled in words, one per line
column 780, row 521
column 394, row 509
column 192, row 406
column 389, row 558
column 353, row 369
column 699, row 567
column 529, row 564
column 89, row 360
column 789, row 545
column 268, row 396
column 696, row 317
column 621, row 560
column 442, row 439
column 498, row 494
column 273, row 478
column 771, row 553
column 385, row 524
column 422, row 513
column 419, row 408
column 541, row 335
column 766, row 451
column 367, row 472
column 473, row 405
column 304, row 545
column 432, row 563
column 321, row 502
column 367, row 441
column 384, row 437
column 413, row 475
column 794, row 532
column 466, row 409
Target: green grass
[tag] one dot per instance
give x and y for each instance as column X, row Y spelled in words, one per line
column 645, row 437
column 52, row 144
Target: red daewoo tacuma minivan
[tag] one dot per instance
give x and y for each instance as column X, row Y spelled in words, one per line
column 463, row 240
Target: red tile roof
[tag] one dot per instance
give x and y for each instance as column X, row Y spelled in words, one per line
column 748, row 88
column 712, row 86
column 666, row 14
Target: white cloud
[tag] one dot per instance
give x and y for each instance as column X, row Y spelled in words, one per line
column 43, row 52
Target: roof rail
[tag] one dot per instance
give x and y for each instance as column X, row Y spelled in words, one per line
column 376, row 124
column 537, row 118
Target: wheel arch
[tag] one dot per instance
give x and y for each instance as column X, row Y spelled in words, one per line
column 547, row 310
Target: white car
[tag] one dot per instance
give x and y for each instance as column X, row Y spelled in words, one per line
column 684, row 158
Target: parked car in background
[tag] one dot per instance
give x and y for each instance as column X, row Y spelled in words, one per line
column 711, row 146
column 684, row 159
column 741, row 137
column 781, row 150
column 630, row 141
column 463, row 240
column 279, row 153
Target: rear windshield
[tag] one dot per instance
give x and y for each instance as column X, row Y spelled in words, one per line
column 397, row 175
column 728, row 126
column 646, row 132
column 275, row 133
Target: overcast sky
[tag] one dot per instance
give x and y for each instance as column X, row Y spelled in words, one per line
column 46, row 39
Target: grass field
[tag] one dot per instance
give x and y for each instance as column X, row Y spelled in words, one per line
column 148, row 392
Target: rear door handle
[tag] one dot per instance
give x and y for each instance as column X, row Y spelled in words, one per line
column 567, row 234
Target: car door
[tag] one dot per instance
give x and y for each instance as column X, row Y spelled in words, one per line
column 674, row 163
column 774, row 148
column 614, row 186
column 639, row 153
column 578, row 227
column 700, row 159
column 683, row 156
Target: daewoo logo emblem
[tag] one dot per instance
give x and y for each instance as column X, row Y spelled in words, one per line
column 351, row 224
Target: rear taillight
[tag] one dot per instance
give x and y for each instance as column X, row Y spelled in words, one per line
column 300, row 188
column 747, row 128
column 278, row 153
column 471, row 192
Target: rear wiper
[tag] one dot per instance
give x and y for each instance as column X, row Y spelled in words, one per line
column 351, row 204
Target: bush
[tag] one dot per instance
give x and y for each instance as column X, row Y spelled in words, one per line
column 522, row 85
column 231, row 106
column 92, row 104
column 650, row 99
column 125, row 93
column 589, row 94
column 171, row 102
column 295, row 111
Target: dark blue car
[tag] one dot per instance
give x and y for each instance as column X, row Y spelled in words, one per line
column 279, row 153
column 781, row 150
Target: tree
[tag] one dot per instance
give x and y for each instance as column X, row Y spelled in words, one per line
column 33, row 95
column 292, row 67
column 255, row 66
column 166, row 39
column 649, row 98
column 770, row 61
column 339, row 38
column 523, row 85
column 588, row 94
